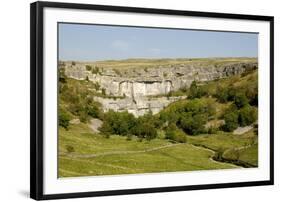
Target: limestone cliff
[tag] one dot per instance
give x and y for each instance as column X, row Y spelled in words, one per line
column 137, row 85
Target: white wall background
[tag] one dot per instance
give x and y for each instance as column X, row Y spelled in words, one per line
column 14, row 100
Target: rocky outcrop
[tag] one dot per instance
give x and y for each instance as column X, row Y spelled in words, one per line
column 136, row 84
column 137, row 107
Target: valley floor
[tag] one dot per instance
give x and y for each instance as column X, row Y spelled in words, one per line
column 92, row 154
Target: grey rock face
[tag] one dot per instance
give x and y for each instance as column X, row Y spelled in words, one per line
column 136, row 84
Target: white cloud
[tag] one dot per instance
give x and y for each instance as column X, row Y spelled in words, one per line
column 120, row 45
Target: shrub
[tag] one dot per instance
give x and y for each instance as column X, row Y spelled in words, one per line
column 64, row 118
column 69, row 148
column 95, row 70
column 103, row 92
column 195, row 91
column 88, row 67
column 119, row 123
column 247, row 115
column 231, row 121
column 175, row 135
column 222, row 94
column 96, row 86
column 193, row 125
column 117, row 72
column 212, row 130
column 73, row 63
column 241, row 100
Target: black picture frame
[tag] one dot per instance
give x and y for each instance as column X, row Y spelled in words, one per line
column 36, row 98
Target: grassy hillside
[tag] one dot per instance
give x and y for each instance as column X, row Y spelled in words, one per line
column 191, row 134
column 117, row 155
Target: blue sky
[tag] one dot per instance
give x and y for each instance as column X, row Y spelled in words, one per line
column 96, row 42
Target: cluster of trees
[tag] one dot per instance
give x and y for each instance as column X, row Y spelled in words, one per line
column 235, row 117
column 125, row 124
column 190, row 116
column 242, row 112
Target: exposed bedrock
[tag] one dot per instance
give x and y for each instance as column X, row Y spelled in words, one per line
column 135, row 84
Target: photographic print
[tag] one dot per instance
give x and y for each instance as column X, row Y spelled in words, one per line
column 128, row 100
column 145, row 100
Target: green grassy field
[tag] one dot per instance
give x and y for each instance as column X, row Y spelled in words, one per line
column 116, row 155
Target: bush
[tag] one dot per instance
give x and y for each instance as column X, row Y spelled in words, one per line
column 64, row 118
column 70, row 149
column 231, row 121
column 247, row 115
column 212, row 130
column 222, row 94
column 103, row 91
column 88, row 67
column 119, row 123
column 195, row 91
column 96, row 86
column 95, row 70
column 194, row 125
column 144, row 130
column 240, row 100
column 174, row 134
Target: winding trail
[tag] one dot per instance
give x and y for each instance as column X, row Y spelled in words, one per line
column 73, row 155
column 213, row 154
column 86, row 156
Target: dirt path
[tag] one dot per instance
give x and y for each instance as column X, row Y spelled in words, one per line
column 213, row 153
column 85, row 156
column 95, row 124
column 73, row 155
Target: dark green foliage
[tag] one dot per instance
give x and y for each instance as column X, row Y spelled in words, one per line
column 125, row 124
column 190, row 116
column 119, row 123
column 231, row 121
column 78, row 101
column 240, row 100
column 70, row 149
column 62, row 76
column 222, row 94
column 193, row 125
column 88, row 67
column 144, row 130
column 103, row 91
column 247, row 115
column 117, row 71
column 174, row 134
column 212, row 130
column 195, row 91
column 96, row 86
column 73, row 63
column 64, row 119
column 95, row 70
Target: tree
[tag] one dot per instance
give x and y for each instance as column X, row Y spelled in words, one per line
column 240, row 100
column 247, row 115
column 193, row 125
column 88, row 67
column 173, row 133
column 195, row 91
column 64, row 119
column 231, row 121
